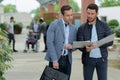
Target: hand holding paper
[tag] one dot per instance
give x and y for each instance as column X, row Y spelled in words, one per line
column 90, row 47
column 81, row 44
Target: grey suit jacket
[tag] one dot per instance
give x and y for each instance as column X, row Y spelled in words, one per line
column 56, row 39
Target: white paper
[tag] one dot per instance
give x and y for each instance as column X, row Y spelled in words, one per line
column 105, row 40
column 81, row 44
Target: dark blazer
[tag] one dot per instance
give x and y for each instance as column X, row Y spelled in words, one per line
column 39, row 29
column 56, row 39
column 84, row 34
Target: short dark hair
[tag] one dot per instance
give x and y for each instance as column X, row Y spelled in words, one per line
column 11, row 17
column 65, row 7
column 93, row 7
column 41, row 20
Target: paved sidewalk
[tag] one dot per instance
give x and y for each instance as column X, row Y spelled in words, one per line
column 29, row 66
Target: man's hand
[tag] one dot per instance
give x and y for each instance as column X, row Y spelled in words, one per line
column 55, row 65
column 90, row 47
column 68, row 46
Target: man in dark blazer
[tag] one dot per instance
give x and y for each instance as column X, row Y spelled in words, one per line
column 43, row 26
column 93, row 56
column 36, row 29
column 37, row 33
column 60, row 36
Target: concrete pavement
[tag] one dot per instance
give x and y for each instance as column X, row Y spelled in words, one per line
column 29, row 66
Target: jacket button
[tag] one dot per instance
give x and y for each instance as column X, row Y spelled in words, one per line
column 63, row 42
column 61, row 49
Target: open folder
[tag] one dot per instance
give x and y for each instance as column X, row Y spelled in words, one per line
column 81, row 44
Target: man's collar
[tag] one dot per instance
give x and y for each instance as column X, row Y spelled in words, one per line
column 64, row 22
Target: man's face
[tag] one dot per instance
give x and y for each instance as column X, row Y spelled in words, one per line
column 11, row 20
column 91, row 15
column 68, row 16
column 36, row 20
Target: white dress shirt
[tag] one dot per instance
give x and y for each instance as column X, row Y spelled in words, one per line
column 66, row 32
column 11, row 27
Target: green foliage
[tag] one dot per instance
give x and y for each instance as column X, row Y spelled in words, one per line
column 3, row 26
column 18, row 28
column 48, row 21
column 36, row 12
column 109, row 3
column 112, row 28
column 72, row 3
column 5, row 54
column 113, row 22
column 56, row 8
column 117, row 31
column 10, row 8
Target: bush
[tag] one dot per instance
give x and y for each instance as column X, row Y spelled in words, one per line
column 5, row 54
column 113, row 24
column 112, row 28
column 18, row 28
column 117, row 31
column 3, row 26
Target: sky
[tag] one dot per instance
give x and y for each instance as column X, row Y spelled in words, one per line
column 27, row 5
column 23, row 5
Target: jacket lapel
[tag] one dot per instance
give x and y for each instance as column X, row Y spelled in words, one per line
column 70, row 32
column 62, row 27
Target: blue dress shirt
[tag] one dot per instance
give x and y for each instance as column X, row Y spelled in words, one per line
column 95, row 53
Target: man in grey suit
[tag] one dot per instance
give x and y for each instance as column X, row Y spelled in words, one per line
column 60, row 36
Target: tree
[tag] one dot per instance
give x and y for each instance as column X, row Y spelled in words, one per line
column 36, row 13
column 72, row 3
column 56, row 8
column 9, row 8
column 109, row 3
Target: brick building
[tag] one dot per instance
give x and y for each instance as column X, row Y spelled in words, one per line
column 78, row 18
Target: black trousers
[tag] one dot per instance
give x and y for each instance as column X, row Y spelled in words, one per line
column 64, row 65
column 45, row 42
column 11, row 38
